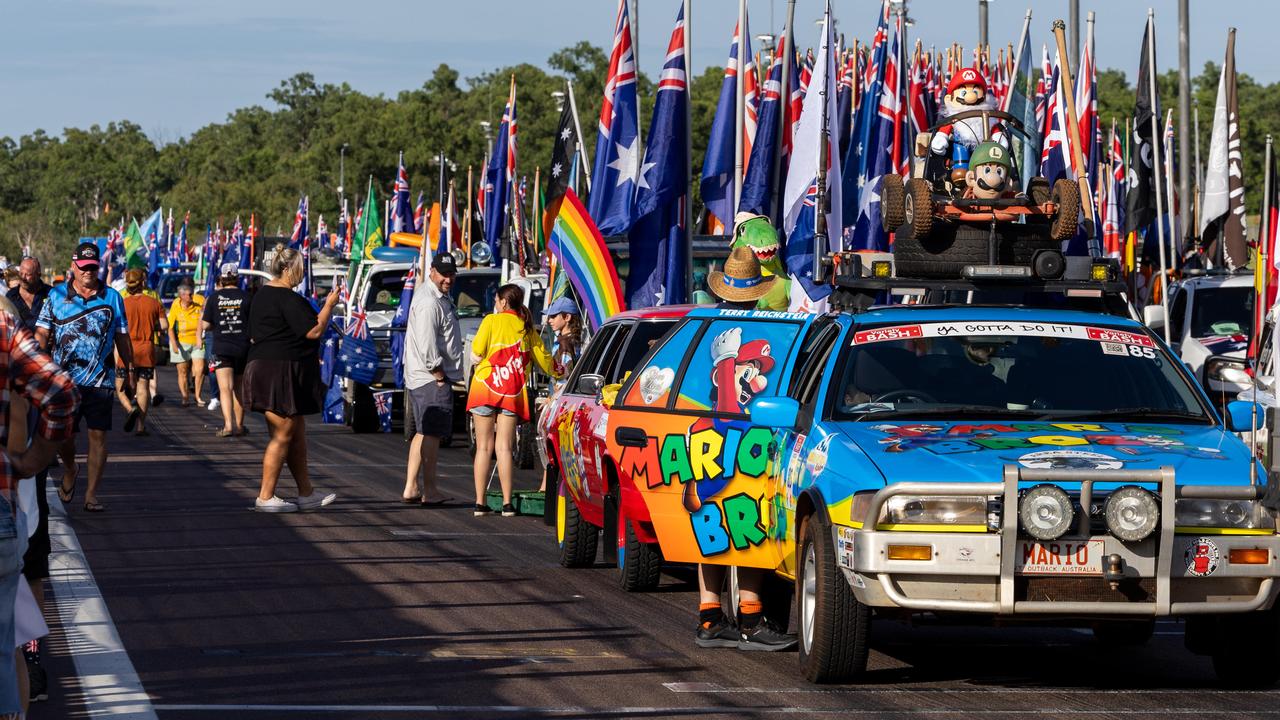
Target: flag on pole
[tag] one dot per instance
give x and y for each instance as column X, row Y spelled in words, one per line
column 659, row 239
column 299, row 225
column 1055, row 164
column 580, row 251
column 399, row 324
column 498, row 177
column 617, row 160
column 1140, row 203
column 417, row 215
column 818, row 125
column 758, row 184
column 1020, row 102
column 875, row 151
column 861, row 148
column 559, row 171
column 720, row 161
column 1222, row 210
column 401, row 217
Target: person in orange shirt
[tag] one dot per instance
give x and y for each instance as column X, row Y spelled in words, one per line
column 501, row 352
column 146, row 317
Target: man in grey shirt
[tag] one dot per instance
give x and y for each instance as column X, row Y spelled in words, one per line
column 432, row 364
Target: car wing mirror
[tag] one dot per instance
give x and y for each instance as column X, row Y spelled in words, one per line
column 775, row 412
column 589, row 384
column 1153, row 316
column 1243, row 416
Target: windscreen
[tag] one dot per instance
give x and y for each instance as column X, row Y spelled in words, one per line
column 384, row 290
column 473, row 293
column 1049, row 371
column 1222, row 311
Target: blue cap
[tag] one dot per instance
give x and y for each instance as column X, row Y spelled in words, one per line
column 560, row 305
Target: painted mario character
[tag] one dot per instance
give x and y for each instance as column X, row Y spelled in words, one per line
column 953, row 143
column 738, row 374
column 990, row 174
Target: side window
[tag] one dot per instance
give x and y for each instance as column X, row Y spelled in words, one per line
column 612, row 349
column 591, row 356
column 813, row 340
column 643, row 337
column 805, row 382
column 1177, row 316
column 652, row 387
column 734, row 362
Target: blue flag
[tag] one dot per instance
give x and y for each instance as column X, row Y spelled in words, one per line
column 659, row 239
column 382, row 403
column 719, row 163
column 1020, row 102
column 861, row 147
column 617, row 158
column 867, row 232
column 759, row 186
column 299, row 225
column 334, row 405
column 401, row 219
column 399, row 326
column 498, row 176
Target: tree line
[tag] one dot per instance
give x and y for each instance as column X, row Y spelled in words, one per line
column 261, row 159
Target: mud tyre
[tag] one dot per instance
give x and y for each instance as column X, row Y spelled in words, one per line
column 893, row 199
column 1067, row 217
column 917, row 221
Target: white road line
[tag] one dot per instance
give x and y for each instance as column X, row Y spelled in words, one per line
column 444, row 534
column 107, row 678
column 713, row 688
column 522, row 710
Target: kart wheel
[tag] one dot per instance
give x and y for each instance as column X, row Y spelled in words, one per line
column 576, row 536
column 639, row 563
column 1067, row 217
column 1243, row 654
column 893, row 201
column 918, row 210
column 1124, row 633
column 1038, row 190
column 835, row 629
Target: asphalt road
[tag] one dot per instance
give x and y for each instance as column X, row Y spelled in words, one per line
column 374, row 609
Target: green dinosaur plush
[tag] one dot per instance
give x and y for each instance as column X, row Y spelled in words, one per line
column 756, row 233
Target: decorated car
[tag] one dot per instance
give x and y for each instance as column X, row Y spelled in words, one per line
column 582, row 477
column 996, row 462
column 1211, row 318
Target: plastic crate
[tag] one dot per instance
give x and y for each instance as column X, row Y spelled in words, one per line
column 526, row 502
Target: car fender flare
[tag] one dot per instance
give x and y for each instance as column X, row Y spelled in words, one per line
column 808, row 504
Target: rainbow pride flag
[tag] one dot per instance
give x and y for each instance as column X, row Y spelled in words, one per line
column 577, row 244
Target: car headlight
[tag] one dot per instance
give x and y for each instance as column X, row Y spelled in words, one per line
column 940, row 510
column 1238, row 514
column 1045, row 512
column 1227, row 370
column 1131, row 513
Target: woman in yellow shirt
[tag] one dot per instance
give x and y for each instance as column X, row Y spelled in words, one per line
column 184, row 342
column 501, row 352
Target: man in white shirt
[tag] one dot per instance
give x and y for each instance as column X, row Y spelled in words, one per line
column 432, row 364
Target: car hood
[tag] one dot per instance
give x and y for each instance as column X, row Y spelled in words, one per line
column 946, row 451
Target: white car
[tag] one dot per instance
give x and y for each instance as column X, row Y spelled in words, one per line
column 1210, row 322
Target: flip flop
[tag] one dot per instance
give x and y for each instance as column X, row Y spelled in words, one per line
column 66, row 495
column 131, row 420
column 94, row 507
column 437, row 503
column 408, row 501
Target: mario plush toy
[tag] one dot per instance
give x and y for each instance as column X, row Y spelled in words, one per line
column 989, row 174
column 966, row 91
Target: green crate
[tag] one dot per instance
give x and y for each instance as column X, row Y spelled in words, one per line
column 527, row 502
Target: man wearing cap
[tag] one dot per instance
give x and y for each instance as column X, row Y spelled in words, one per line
column 145, row 316
column 432, row 364
column 990, row 173
column 81, row 321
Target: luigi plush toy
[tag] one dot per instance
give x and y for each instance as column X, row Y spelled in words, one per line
column 990, row 173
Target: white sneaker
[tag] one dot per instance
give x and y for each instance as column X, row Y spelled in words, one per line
column 214, row 404
column 274, row 505
column 316, row 500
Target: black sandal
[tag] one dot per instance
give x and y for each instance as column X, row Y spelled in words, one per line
column 66, row 495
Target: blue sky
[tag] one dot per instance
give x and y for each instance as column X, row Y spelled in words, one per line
column 174, row 66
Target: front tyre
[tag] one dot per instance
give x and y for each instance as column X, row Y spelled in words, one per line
column 576, row 536
column 835, row 629
column 639, row 563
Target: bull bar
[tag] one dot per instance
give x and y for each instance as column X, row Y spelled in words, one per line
column 1004, row 543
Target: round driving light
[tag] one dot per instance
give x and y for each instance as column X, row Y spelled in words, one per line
column 1132, row 513
column 481, row 254
column 1045, row 512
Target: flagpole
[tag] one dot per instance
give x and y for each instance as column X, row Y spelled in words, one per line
column 1017, row 63
column 821, row 199
column 582, row 149
column 1067, row 83
column 688, row 151
column 784, row 98
column 1261, row 308
column 740, row 109
column 1167, row 144
column 1155, row 150
column 1195, row 114
column 466, row 228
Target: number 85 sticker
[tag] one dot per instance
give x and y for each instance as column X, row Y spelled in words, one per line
column 1137, row 351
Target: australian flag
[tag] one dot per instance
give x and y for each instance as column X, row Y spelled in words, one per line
column 659, row 239
column 617, row 159
column 399, row 325
column 401, row 213
column 720, row 162
column 873, row 150
column 497, row 177
column 382, row 403
column 299, row 225
column 758, row 185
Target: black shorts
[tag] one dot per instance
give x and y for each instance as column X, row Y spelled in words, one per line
column 143, row 373
column 235, row 362
column 95, row 407
column 432, row 406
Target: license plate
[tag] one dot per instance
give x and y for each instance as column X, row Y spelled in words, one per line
column 1060, row 557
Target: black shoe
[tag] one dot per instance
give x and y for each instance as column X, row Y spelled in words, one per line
column 131, row 420
column 765, row 637
column 157, row 399
column 723, row 634
column 481, row 510
column 39, row 682
column 508, row 510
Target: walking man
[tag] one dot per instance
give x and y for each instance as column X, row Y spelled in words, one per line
column 145, row 317
column 81, row 321
column 432, row 364
column 30, row 294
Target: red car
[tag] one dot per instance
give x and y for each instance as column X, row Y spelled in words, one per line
column 589, row 500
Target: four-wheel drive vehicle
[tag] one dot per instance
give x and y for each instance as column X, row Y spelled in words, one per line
column 582, row 476
column 996, row 462
column 1210, row 321
column 938, row 231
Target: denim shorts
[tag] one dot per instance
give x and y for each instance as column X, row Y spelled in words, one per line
column 489, row 411
column 13, row 542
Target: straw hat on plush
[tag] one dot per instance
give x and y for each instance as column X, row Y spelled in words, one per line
column 741, row 280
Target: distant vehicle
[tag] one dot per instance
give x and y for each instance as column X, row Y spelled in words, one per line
column 167, row 289
column 1210, row 322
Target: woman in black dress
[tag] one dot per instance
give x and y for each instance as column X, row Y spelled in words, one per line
column 282, row 378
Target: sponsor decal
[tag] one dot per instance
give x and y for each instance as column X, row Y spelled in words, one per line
column 1119, row 336
column 901, row 332
column 1202, row 557
column 654, row 383
column 816, row 461
column 968, row 329
column 1069, row 460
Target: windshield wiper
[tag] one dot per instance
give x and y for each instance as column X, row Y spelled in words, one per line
column 985, row 411
column 1142, row 413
